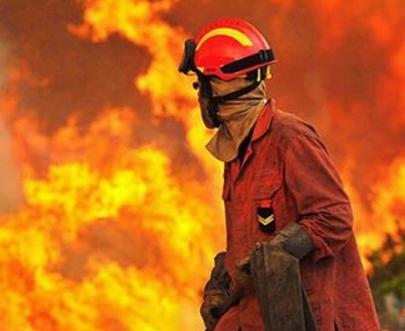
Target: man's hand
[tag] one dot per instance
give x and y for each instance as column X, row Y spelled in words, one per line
column 209, row 311
column 215, row 292
column 293, row 240
column 243, row 277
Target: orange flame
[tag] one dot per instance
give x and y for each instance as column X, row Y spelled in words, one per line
column 114, row 234
column 93, row 196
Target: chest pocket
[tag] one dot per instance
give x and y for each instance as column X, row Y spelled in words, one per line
column 265, row 188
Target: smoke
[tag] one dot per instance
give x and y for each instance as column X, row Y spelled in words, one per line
column 67, row 76
column 339, row 67
column 119, row 198
column 10, row 188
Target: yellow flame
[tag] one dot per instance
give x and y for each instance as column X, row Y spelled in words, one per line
column 129, row 189
column 96, row 189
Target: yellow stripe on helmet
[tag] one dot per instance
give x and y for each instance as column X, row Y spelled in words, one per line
column 229, row 32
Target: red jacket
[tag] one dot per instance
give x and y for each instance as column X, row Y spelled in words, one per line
column 286, row 169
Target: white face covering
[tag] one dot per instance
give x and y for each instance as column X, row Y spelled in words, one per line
column 237, row 117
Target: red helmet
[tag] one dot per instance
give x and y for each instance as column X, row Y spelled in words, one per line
column 227, row 48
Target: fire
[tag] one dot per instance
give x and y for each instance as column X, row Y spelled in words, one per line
column 126, row 194
column 118, row 231
column 141, row 23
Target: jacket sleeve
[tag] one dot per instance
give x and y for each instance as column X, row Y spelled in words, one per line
column 318, row 192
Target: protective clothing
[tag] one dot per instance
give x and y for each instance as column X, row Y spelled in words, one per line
column 227, row 48
column 237, row 117
column 286, row 177
column 295, row 240
column 283, row 186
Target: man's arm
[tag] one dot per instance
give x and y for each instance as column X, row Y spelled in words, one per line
column 318, row 192
column 216, row 292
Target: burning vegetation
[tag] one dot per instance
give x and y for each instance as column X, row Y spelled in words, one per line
column 111, row 210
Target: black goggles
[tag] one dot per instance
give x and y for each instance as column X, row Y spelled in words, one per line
column 187, row 63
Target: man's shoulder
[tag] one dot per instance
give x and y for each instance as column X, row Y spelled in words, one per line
column 289, row 126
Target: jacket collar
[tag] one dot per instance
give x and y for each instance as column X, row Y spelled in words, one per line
column 262, row 126
column 264, row 121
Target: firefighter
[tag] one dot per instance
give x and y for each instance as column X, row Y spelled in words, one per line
column 281, row 192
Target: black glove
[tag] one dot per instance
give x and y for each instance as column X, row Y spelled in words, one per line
column 295, row 240
column 215, row 292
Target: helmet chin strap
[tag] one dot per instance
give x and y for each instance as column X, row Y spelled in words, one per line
column 213, row 113
column 215, row 101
